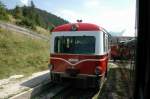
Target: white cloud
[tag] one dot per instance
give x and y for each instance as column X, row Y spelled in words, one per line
column 25, row 2
column 69, row 15
column 116, row 20
column 112, row 20
column 91, row 3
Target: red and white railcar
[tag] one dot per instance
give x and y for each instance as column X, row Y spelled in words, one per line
column 80, row 51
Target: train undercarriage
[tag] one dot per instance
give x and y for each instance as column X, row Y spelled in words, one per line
column 79, row 81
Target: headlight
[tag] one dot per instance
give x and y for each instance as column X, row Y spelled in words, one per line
column 97, row 70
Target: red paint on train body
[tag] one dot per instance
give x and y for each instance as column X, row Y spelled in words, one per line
column 84, row 64
column 80, row 27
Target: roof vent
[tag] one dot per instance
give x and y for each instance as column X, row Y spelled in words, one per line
column 79, row 20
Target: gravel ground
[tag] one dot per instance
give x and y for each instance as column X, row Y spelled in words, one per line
column 116, row 86
column 18, row 83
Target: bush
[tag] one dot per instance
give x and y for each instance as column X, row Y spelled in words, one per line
column 26, row 22
column 4, row 16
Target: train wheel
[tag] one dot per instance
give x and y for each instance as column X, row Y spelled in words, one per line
column 99, row 82
column 102, row 81
column 107, row 72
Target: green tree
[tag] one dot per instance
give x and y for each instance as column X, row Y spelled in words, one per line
column 32, row 5
column 29, row 16
column 18, row 12
column 3, row 12
column 2, row 6
column 38, row 20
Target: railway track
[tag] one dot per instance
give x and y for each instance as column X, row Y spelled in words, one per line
column 52, row 90
column 116, row 87
column 76, row 93
column 65, row 91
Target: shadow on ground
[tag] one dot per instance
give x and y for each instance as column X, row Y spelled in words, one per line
column 36, row 81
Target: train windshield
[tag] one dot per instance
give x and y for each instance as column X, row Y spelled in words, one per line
column 75, row 44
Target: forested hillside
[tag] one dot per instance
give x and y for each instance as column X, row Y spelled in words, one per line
column 30, row 17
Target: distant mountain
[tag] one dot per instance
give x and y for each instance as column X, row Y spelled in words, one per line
column 117, row 33
column 50, row 18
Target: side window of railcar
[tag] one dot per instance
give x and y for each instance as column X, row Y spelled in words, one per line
column 105, row 42
column 57, row 44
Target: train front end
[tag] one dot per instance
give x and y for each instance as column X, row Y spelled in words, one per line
column 79, row 51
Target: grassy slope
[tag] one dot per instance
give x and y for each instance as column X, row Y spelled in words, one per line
column 42, row 31
column 38, row 30
column 20, row 54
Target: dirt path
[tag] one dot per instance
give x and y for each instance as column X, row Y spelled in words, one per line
column 18, row 29
column 116, row 87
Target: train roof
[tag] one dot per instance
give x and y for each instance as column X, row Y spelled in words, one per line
column 77, row 27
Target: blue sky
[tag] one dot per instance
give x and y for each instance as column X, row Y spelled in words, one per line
column 114, row 15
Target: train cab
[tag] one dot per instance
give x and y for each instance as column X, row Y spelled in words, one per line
column 79, row 51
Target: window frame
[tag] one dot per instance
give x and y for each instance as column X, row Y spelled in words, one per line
column 56, row 48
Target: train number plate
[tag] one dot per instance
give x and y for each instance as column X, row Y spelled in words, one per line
column 72, row 72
